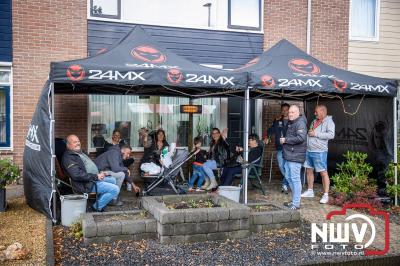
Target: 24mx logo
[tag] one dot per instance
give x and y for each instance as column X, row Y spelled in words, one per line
column 208, row 79
column 32, row 140
column 366, row 87
column 299, row 82
column 115, row 75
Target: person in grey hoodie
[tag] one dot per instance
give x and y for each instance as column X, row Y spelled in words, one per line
column 294, row 153
column 321, row 130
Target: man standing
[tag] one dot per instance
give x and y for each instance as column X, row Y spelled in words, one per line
column 294, row 153
column 278, row 129
column 113, row 160
column 322, row 129
column 84, row 173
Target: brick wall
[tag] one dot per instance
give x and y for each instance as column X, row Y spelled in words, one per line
column 329, row 27
column 285, row 19
column 329, row 43
column 330, row 31
column 45, row 31
column 272, row 110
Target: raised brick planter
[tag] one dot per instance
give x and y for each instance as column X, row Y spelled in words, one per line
column 231, row 220
column 118, row 225
column 274, row 217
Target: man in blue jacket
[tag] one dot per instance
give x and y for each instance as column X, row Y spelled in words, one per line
column 112, row 162
column 294, row 153
column 278, row 129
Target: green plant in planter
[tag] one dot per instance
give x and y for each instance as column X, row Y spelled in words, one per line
column 351, row 183
column 9, row 172
column 391, row 188
column 352, row 175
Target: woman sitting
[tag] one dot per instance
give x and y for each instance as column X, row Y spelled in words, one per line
column 152, row 151
column 255, row 152
column 218, row 155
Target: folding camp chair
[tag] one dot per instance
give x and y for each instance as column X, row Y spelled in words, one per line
column 62, row 176
column 255, row 171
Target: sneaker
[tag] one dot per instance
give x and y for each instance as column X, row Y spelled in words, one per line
column 324, row 199
column 206, row 184
column 191, row 189
column 287, row 203
column 199, row 189
column 309, row 193
column 293, row 207
column 128, row 187
column 285, row 189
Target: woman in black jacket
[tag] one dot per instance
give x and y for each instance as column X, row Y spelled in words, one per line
column 255, row 153
column 154, row 147
column 218, row 156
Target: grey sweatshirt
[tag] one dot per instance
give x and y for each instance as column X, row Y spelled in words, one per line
column 323, row 133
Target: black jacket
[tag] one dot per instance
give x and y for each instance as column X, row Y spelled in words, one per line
column 111, row 160
column 220, row 153
column 201, row 157
column 81, row 181
column 295, row 146
column 278, row 128
column 152, row 153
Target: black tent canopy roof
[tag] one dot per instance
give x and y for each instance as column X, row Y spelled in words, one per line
column 138, row 64
column 285, row 69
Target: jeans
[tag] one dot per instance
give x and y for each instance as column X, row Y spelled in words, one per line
column 107, row 191
column 208, row 168
column 119, row 177
column 292, row 175
column 317, row 161
column 198, row 173
column 281, row 163
column 228, row 175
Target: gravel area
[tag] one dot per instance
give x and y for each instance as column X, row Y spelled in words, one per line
column 288, row 246
column 22, row 224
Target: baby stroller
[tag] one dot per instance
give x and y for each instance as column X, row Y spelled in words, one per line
column 180, row 157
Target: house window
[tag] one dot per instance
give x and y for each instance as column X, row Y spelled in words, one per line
column 105, row 8
column 131, row 113
column 244, row 14
column 364, row 20
column 4, row 116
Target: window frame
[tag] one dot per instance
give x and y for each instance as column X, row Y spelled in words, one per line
column 118, row 16
column 231, row 26
column 7, row 91
column 377, row 20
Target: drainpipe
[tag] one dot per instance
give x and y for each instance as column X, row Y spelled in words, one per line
column 309, row 26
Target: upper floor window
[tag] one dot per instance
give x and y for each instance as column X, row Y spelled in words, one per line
column 364, row 20
column 105, row 8
column 244, row 14
column 200, row 14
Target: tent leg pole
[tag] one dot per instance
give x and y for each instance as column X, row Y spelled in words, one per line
column 395, row 146
column 246, row 123
column 53, row 177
